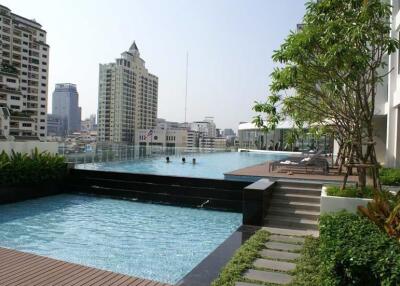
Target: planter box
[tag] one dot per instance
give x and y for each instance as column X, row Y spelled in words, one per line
column 12, row 194
column 335, row 204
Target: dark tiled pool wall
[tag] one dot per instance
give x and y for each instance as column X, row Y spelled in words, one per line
column 12, row 194
column 208, row 270
column 195, row 192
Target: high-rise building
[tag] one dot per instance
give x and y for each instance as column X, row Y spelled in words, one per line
column 128, row 96
column 24, row 57
column 89, row 124
column 66, row 105
column 206, row 127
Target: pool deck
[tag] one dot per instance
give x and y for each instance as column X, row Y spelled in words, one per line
column 19, row 268
column 263, row 170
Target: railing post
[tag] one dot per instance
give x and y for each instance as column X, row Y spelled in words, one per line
column 255, row 201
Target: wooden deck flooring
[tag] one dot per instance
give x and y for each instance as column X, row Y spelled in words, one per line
column 25, row 269
column 263, row 170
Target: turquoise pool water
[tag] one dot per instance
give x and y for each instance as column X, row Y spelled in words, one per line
column 209, row 165
column 151, row 241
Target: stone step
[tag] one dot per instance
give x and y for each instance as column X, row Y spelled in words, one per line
column 275, row 245
column 290, row 231
column 287, row 239
column 274, row 265
column 313, row 215
column 246, row 284
column 283, row 223
column 292, row 219
column 311, row 191
column 275, row 254
column 275, row 203
column 299, row 184
column 296, row 198
column 268, row 276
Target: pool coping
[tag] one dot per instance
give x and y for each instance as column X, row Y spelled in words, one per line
column 210, row 267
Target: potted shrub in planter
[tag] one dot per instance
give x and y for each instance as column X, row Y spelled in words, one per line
column 333, row 199
column 24, row 176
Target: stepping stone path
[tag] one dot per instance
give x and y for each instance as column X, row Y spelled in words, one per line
column 277, row 261
column 293, row 213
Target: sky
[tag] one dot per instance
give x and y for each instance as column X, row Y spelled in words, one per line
column 229, row 43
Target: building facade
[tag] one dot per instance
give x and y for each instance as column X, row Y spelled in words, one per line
column 128, row 98
column 56, row 126
column 207, row 127
column 389, row 124
column 66, row 105
column 89, row 124
column 24, row 58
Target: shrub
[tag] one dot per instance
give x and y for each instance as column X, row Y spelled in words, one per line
column 351, row 192
column 390, row 176
column 242, row 260
column 354, row 251
column 23, row 169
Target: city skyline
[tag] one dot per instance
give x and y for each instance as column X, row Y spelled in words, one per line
column 229, row 46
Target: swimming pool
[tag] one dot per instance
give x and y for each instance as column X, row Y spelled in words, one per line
column 208, row 165
column 156, row 242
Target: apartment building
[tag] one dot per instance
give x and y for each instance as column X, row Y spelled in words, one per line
column 24, row 58
column 206, row 142
column 89, row 124
column 207, row 127
column 65, row 104
column 128, row 98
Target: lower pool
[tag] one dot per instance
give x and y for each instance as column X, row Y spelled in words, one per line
column 152, row 241
column 208, row 165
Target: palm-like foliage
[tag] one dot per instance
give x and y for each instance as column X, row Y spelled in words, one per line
column 24, row 169
column 384, row 211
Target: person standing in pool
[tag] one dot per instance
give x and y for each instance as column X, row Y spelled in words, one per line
column 167, row 159
column 194, row 161
column 183, row 160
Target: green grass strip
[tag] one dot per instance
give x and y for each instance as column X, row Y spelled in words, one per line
column 307, row 266
column 242, row 260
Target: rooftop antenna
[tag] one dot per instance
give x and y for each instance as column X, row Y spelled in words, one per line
column 187, row 70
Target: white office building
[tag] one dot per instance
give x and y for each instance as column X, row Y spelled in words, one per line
column 128, row 98
column 389, row 124
column 24, row 58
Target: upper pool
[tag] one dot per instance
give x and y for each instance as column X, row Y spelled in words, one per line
column 208, row 165
column 157, row 242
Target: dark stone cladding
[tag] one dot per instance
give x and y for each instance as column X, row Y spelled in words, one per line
column 13, row 194
column 184, row 191
column 208, row 269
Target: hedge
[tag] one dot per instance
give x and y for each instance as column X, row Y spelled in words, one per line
column 390, row 176
column 354, row 251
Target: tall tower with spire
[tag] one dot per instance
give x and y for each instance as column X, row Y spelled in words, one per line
column 128, row 98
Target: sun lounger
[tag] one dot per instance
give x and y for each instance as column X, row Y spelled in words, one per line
column 306, row 164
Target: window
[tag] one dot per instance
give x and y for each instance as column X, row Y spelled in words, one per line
column 15, row 97
column 27, row 124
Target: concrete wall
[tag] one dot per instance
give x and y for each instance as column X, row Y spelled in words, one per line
column 28, row 146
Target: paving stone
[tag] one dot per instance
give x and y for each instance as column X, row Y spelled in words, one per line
column 285, row 238
column 283, row 246
column 246, row 284
column 274, row 254
column 291, row 232
column 274, row 265
column 268, row 276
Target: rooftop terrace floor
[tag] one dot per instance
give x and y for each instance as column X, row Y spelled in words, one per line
column 263, row 170
column 19, row 268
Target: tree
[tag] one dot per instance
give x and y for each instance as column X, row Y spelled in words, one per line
column 334, row 65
